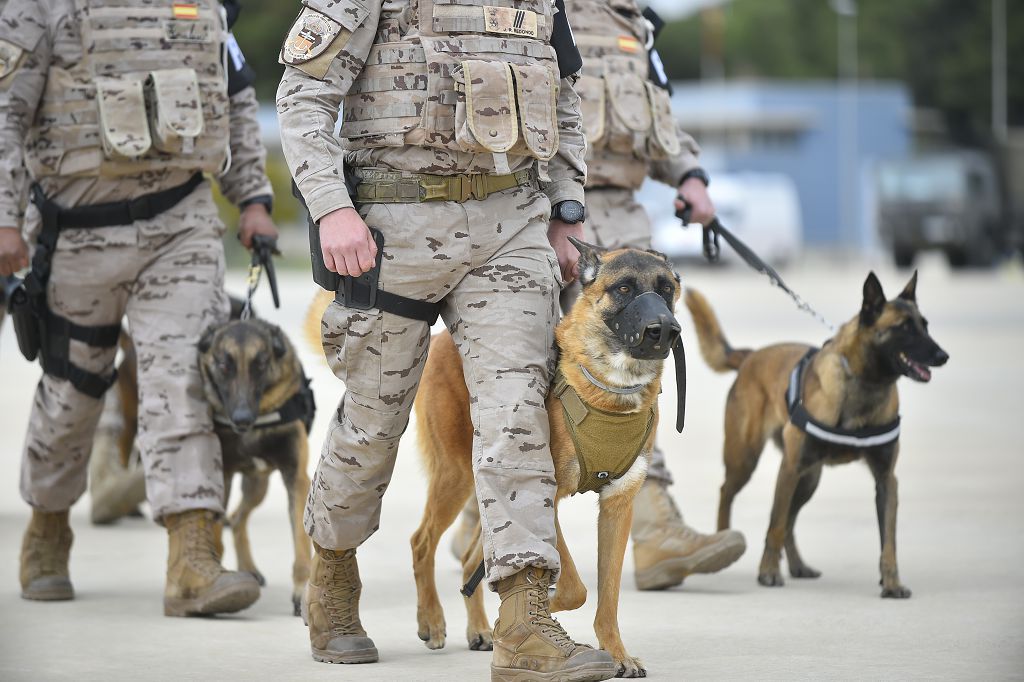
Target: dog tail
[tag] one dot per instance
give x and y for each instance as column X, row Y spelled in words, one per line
column 713, row 345
column 311, row 325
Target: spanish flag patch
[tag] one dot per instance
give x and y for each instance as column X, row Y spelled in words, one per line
column 186, row 10
column 629, row 44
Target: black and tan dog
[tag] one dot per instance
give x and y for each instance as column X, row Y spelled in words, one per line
column 263, row 409
column 828, row 406
column 619, row 383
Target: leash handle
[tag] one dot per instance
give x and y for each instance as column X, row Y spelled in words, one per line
column 263, row 250
column 712, row 249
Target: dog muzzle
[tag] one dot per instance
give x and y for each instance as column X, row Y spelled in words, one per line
column 646, row 327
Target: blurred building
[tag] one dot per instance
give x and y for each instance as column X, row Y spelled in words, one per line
column 826, row 137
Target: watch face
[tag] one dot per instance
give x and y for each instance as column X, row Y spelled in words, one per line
column 570, row 211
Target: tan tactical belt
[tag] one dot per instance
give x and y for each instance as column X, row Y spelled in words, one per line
column 394, row 187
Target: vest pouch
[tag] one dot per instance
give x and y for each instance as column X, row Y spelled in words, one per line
column 629, row 119
column 175, row 110
column 664, row 142
column 485, row 108
column 537, row 100
column 124, row 128
column 592, row 108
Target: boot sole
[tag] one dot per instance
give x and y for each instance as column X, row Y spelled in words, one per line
column 672, row 572
column 588, row 672
column 227, row 600
column 348, row 657
column 49, row 595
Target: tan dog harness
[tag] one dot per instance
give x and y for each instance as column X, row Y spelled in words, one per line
column 607, row 443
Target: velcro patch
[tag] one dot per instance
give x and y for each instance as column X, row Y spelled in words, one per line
column 310, row 36
column 186, row 10
column 517, row 22
column 10, row 58
column 629, row 44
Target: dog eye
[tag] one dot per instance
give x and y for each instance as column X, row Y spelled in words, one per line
column 223, row 363
column 667, row 288
column 624, row 289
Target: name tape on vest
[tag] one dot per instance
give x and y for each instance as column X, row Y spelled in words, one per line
column 517, row 22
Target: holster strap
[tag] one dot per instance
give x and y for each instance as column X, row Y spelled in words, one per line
column 395, row 187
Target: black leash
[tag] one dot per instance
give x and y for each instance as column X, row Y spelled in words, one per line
column 712, row 250
column 264, row 249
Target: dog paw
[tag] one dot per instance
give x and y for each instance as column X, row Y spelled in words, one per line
column 480, row 641
column 804, row 571
column 631, row 667
column 297, row 605
column 773, row 579
column 434, row 637
column 896, row 592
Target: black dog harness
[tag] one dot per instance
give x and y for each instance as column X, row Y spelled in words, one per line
column 866, row 437
column 300, row 406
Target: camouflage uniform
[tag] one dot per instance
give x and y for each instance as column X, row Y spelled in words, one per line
column 629, row 135
column 164, row 274
column 488, row 260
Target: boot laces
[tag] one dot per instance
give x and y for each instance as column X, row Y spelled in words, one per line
column 341, row 596
column 542, row 618
column 200, row 547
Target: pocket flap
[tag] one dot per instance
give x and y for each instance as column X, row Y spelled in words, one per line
column 537, row 93
column 176, row 106
column 665, row 133
column 124, row 126
column 490, row 104
column 629, row 100
column 592, row 106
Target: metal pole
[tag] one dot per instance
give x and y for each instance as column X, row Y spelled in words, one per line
column 849, row 175
column 999, row 125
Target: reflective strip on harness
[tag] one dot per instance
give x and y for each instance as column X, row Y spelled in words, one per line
column 867, row 437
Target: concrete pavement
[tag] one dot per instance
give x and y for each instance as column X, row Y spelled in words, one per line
column 961, row 531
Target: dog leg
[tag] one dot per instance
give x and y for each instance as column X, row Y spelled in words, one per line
column 740, row 456
column 570, row 592
column 478, row 627
column 297, row 484
column 447, row 492
column 805, row 488
column 883, row 469
column 613, row 524
column 769, row 574
column 254, row 489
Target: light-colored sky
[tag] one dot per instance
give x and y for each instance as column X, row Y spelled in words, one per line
column 670, row 9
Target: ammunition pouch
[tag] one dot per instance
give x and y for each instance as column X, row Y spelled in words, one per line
column 47, row 335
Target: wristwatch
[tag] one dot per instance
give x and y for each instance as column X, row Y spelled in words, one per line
column 265, row 199
column 698, row 173
column 569, row 211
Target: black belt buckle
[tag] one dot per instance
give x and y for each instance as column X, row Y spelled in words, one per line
column 360, row 293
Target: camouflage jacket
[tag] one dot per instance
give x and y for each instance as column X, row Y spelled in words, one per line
column 35, row 37
column 361, row 52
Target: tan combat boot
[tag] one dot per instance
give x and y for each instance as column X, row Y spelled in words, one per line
column 330, row 608
column 529, row 644
column 666, row 550
column 44, row 557
column 196, row 582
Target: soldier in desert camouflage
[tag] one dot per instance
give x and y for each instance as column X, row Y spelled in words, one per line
column 460, row 133
column 114, row 110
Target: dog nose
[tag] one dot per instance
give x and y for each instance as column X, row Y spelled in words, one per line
column 243, row 417
column 941, row 357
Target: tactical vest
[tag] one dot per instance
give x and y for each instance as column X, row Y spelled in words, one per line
column 627, row 119
column 475, row 76
column 149, row 93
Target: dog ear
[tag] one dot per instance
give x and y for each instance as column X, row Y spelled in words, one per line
column 874, row 301
column 590, row 260
column 909, row 292
column 277, row 342
column 659, row 254
column 206, row 340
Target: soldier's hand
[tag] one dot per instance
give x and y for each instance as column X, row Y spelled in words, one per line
column 346, row 242
column 696, row 194
column 568, row 256
column 13, row 251
column 254, row 220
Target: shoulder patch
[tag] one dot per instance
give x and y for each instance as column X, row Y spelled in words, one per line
column 310, row 36
column 10, row 58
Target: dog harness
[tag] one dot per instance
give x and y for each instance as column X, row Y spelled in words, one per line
column 607, row 443
column 300, row 406
column 866, row 437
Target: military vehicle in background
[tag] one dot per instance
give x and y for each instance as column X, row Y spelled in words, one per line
column 951, row 201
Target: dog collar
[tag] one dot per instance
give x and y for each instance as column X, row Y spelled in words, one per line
column 867, row 437
column 618, row 390
column 301, row 406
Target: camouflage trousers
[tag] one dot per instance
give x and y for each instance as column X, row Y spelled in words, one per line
column 491, row 263
column 166, row 276
column 614, row 219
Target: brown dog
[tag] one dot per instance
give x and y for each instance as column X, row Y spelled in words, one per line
column 843, row 406
column 611, row 282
